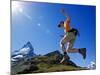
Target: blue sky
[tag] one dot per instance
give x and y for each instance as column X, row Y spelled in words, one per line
column 37, row 23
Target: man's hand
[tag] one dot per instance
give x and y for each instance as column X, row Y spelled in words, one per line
column 65, row 14
column 62, row 10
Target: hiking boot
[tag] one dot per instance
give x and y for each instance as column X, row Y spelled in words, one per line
column 82, row 51
column 65, row 57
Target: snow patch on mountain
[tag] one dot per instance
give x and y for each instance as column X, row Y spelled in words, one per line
column 92, row 65
column 26, row 52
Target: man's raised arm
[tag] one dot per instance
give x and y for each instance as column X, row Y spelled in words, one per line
column 66, row 15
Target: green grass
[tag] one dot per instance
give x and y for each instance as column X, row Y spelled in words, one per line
column 43, row 67
column 48, row 64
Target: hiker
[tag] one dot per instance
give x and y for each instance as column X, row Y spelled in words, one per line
column 69, row 38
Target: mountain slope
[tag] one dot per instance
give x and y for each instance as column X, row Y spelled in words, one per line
column 47, row 63
column 26, row 52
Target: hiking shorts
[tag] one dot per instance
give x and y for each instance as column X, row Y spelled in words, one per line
column 68, row 38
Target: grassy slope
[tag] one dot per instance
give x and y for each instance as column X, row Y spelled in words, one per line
column 56, row 68
column 47, row 64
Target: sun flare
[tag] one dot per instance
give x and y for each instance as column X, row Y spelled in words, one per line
column 15, row 6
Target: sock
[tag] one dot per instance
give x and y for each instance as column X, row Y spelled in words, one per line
column 65, row 53
column 79, row 50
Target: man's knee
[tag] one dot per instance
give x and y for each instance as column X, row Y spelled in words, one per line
column 62, row 44
column 69, row 49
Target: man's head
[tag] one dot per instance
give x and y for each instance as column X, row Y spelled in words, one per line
column 61, row 24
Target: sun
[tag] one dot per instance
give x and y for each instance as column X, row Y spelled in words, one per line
column 15, row 6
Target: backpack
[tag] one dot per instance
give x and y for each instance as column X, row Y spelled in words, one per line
column 74, row 30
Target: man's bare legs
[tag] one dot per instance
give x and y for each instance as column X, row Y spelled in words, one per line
column 70, row 49
column 82, row 51
column 65, row 56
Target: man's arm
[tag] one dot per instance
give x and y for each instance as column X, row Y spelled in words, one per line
column 66, row 15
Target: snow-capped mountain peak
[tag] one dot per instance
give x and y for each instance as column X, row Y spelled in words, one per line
column 92, row 65
column 28, row 44
column 27, row 51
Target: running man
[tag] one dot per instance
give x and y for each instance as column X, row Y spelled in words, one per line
column 69, row 39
